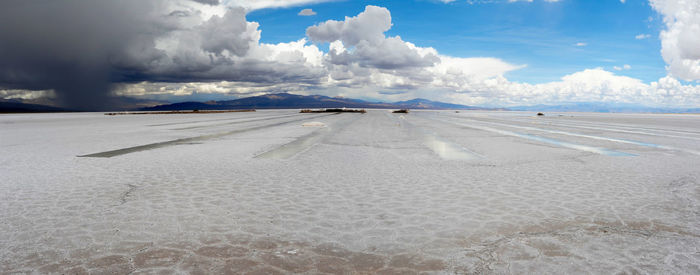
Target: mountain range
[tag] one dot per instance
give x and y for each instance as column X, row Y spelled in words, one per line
column 602, row 107
column 19, row 107
column 292, row 101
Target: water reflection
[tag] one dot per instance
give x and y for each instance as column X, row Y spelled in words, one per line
column 447, row 150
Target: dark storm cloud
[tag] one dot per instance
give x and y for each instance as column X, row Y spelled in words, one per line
column 68, row 45
column 81, row 48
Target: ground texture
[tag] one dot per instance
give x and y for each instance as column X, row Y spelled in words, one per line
column 281, row 192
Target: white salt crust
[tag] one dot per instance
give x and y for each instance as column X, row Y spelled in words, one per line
column 434, row 192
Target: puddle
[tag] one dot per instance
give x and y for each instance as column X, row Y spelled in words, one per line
column 627, row 131
column 577, row 135
column 597, row 150
column 633, row 142
column 443, row 148
column 447, row 150
column 580, row 147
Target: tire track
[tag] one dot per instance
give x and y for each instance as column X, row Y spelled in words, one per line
column 151, row 146
column 305, row 143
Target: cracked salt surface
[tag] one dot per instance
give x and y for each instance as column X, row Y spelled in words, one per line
column 368, row 193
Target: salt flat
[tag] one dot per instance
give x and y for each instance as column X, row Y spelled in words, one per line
column 424, row 192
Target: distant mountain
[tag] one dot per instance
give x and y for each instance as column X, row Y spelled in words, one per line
column 189, row 105
column 420, row 103
column 18, row 107
column 122, row 103
column 291, row 101
column 284, row 100
column 602, row 107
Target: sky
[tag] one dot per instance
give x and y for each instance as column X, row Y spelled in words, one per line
column 493, row 53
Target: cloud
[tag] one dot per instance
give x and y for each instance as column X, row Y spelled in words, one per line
column 550, row 1
column 208, row 2
column 360, row 42
column 680, row 40
column 469, row 74
column 591, row 85
column 84, row 53
column 580, row 44
column 668, row 91
column 624, row 67
column 362, row 60
column 81, row 49
column 307, row 12
column 169, row 90
column 230, row 33
column 369, row 25
column 392, row 92
column 642, row 36
column 68, row 46
column 265, row 4
column 25, row 94
column 360, row 55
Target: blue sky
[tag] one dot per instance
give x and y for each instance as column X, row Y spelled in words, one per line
column 542, row 35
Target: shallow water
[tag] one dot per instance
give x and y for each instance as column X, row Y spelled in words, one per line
column 425, row 192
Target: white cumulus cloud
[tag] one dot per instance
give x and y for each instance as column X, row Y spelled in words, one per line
column 680, row 40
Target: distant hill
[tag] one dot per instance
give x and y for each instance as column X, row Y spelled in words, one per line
column 420, row 103
column 18, row 107
column 291, row 101
column 602, row 107
column 121, row 103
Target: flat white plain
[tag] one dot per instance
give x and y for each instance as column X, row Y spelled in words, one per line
column 428, row 191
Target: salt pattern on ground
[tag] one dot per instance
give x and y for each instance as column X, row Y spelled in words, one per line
column 367, row 196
